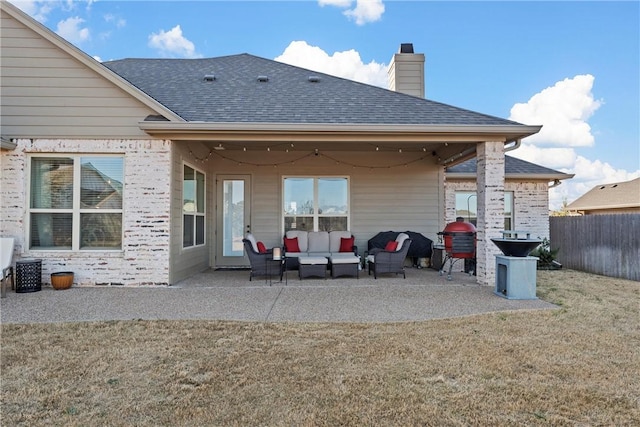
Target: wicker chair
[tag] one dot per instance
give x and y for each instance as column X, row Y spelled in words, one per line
column 389, row 262
column 260, row 261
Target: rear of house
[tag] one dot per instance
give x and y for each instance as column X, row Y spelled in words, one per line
column 123, row 180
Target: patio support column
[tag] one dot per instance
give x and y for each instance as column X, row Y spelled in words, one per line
column 490, row 182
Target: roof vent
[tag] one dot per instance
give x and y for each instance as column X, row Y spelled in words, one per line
column 314, row 79
column 406, row 47
column 263, row 79
column 209, row 77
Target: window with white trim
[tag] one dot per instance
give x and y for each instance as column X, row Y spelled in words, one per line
column 193, row 207
column 467, row 207
column 75, row 202
column 316, row 203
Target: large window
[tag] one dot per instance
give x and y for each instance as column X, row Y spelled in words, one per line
column 76, row 202
column 316, row 204
column 193, row 212
column 467, row 207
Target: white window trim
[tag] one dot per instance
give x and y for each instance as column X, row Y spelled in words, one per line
column 75, row 210
column 475, row 193
column 315, row 214
column 195, row 213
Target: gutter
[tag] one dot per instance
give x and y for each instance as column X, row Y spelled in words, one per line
column 516, row 144
column 469, row 133
column 7, row 144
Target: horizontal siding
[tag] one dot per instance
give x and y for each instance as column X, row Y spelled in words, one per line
column 47, row 93
column 399, row 198
column 186, row 262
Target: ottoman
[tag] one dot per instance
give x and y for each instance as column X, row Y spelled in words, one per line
column 345, row 266
column 312, row 266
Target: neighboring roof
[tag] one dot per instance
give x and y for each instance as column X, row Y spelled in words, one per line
column 513, row 168
column 233, row 93
column 609, row 196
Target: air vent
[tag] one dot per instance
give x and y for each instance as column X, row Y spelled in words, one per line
column 263, row 79
column 209, row 77
column 314, row 79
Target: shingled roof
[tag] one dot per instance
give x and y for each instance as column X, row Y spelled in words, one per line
column 609, row 196
column 513, row 168
column 246, row 88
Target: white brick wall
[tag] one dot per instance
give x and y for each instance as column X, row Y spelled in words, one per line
column 144, row 259
column 530, row 200
column 490, row 183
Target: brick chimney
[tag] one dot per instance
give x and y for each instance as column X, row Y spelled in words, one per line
column 406, row 71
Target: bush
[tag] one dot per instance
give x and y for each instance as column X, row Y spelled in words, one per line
column 546, row 256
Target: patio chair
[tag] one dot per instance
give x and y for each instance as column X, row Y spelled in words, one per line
column 6, row 257
column 383, row 261
column 259, row 261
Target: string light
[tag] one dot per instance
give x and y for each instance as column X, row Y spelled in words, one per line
column 224, row 154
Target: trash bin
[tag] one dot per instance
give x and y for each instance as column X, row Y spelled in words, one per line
column 28, row 275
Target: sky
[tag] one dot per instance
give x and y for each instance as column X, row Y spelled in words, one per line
column 571, row 66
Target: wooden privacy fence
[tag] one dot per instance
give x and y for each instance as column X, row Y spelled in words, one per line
column 602, row 244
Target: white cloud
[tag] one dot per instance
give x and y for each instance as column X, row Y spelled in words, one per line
column 38, row 10
column 112, row 19
column 71, row 29
column 173, row 44
column 563, row 111
column 365, row 11
column 346, row 64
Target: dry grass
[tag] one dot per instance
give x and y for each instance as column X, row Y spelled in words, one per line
column 574, row 366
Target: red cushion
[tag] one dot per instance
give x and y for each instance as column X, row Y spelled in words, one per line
column 291, row 245
column 391, row 246
column 346, row 244
column 261, row 248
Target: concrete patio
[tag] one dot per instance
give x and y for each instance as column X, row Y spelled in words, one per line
column 229, row 295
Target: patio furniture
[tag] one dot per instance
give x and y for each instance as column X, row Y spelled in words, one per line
column 6, row 256
column 312, row 267
column 421, row 246
column 300, row 243
column 390, row 261
column 261, row 262
column 344, row 266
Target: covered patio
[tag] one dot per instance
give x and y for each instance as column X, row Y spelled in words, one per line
column 229, row 295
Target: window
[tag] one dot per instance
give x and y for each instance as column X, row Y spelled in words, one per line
column 316, row 204
column 466, row 207
column 76, row 202
column 193, row 211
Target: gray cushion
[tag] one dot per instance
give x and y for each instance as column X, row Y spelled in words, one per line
column 318, row 241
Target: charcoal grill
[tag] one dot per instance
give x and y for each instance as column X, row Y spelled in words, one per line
column 459, row 243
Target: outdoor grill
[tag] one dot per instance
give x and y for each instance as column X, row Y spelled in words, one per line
column 459, row 243
column 516, row 270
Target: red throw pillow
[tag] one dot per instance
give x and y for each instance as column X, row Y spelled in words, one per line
column 391, row 246
column 261, row 248
column 291, row 245
column 346, row 244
